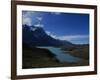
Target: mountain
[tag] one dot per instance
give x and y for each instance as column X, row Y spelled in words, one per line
column 36, row 36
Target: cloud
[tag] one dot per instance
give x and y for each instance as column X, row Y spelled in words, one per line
column 31, row 18
column 73, row 37
column 56, row 13
column 39, row 18
column 28, row 13
column 27, row 21
column 77, row 39
column 27, row 17
column 67, row 37
column 39, row 25
column 39, row 22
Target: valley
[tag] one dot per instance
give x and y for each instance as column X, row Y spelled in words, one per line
column 41, row 57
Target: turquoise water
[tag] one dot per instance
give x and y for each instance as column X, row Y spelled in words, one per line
column 61, row 55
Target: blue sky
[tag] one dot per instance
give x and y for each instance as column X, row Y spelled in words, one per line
column 73, row 27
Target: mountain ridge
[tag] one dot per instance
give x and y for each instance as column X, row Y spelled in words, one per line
column 36, row 36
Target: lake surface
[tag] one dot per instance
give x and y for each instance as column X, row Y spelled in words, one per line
column 61, row 55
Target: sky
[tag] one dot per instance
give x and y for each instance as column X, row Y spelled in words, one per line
column 73, row 27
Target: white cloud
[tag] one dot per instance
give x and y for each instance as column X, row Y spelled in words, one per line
column 67, row 37
column 27, row 21
column 28, row 14
column 26, row 17
column 56, row 13
column 39, row 25
column 36, row 20
column 77, row 39
column 73, row 37
column 39, row 18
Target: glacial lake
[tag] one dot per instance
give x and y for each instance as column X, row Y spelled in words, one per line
column 61, row 55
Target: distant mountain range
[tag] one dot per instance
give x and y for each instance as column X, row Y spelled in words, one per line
column 36, row 36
